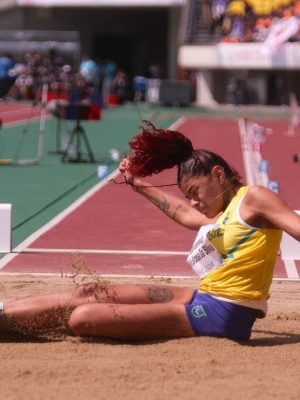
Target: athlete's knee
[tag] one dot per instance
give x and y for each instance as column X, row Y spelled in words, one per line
column 79, row 320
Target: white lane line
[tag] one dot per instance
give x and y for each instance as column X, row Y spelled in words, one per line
column 103, row 251
column 252, row 157
column 291, row 269
column 177, row 123
column 246, row 153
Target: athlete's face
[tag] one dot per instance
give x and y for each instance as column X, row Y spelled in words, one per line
column 205, row 192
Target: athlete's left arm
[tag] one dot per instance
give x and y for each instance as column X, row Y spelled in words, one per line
column 261, row 202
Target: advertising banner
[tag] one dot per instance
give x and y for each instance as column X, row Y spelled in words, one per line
column 241, row 55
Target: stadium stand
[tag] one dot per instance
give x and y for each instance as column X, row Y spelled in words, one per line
column 235, row 20
column 249, row 44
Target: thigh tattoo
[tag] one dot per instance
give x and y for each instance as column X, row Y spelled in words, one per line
column 156, row 294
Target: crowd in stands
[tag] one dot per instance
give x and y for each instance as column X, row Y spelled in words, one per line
column 23, row 80
column 250, row 20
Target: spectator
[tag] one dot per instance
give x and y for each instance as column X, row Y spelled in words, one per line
column 6, row 78
column 238, row 93
column 120, row 87
column 236, row 11
column 139, row 88
column 89, row 71
column 154, row 71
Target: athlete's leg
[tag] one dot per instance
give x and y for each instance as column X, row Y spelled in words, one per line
column 53, row 310
column 131, row 322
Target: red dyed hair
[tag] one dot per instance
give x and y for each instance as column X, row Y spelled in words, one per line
column 154, row 150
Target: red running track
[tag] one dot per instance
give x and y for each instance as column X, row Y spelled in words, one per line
column 123, row 227
column 12, row 113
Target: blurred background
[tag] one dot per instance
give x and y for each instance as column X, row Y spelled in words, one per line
column 168, row 52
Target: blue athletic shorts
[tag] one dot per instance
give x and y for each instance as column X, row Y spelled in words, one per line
column 212, row 317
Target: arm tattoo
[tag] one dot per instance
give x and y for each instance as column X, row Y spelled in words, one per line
column 163, row 205
column 175, row 212
column 156, row 294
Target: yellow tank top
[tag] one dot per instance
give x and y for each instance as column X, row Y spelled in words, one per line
column 249, row 256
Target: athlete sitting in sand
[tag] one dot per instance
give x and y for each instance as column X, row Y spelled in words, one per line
column 239, row 232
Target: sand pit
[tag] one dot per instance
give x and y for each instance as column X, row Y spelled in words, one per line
column 65, row 367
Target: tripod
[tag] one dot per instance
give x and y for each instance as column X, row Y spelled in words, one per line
column 78, row 135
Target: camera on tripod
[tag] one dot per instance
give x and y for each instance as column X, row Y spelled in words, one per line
column 76, row 112
column 79, row 105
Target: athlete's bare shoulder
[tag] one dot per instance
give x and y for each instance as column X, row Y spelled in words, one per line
column 259, row 206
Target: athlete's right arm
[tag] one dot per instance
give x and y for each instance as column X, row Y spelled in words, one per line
column 175, row 208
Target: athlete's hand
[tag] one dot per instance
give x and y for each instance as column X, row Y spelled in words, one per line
column 124, row 169
column 134, row 181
